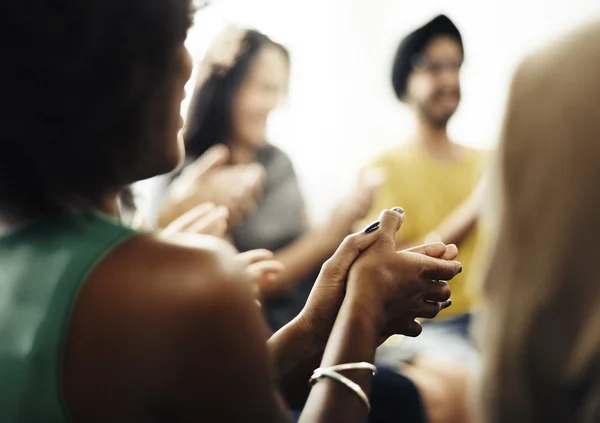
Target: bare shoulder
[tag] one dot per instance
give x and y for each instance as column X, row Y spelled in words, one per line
column 140, row 309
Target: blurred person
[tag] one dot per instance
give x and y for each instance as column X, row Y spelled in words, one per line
column 94, row 313
column 433, row 177
column 540, row 339
column 242, row 79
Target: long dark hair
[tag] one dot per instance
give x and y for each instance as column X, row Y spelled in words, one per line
column 209, row 118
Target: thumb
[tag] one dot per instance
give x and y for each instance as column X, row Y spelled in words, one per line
column 216, row 156
column 391, row 220
column 336, row 268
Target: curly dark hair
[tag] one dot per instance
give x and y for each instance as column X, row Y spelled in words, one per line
column 210, row 113
column 84, row 85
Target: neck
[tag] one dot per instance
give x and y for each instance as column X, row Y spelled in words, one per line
column 432, row 137
column 241, row 153
column 435, row 142
column 109, row 204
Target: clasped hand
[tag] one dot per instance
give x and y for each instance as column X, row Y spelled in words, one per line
column 394, row 287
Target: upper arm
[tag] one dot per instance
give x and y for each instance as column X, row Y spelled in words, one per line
column 221, row 370
column 169, row 330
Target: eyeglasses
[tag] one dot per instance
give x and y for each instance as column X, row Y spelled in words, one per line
column 421, row 64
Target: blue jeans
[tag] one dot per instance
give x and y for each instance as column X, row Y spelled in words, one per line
column 448, row 339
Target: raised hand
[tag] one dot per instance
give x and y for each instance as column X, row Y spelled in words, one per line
column 211, row 179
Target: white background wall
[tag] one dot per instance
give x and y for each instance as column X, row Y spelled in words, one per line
column 341, row 109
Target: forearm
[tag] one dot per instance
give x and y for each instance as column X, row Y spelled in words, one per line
column 301, row 259
column 453, row 229
column 295, row 354
column 353, row 339
column 455, row 232
column 456, row 227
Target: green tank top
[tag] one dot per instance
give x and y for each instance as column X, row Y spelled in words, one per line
column 43, row 265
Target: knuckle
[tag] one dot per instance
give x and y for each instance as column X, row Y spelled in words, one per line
column 332, row 270
column 440, row 292
column 350, row 241
column 331, row 265
column 446, row 291
column 328, row 264
column 421, row 266
column 389, row 213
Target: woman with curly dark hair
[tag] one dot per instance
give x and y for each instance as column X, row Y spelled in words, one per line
column 102, row 323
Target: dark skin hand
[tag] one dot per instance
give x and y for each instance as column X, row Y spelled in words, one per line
column 169, row 331
column 386, row 291
column 299, row 346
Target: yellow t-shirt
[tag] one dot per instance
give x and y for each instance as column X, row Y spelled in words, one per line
column 429, row 190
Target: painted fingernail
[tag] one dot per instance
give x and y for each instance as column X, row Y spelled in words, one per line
column 398, row 210
column 459, row 270
column 446, row 304
column 372, row 227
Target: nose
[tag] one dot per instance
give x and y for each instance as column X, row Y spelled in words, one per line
column 449, row 78
column 449, row 75
column 271, row 101
column 188, row 64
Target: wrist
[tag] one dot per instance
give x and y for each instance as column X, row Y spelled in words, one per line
column 364, row 304
column 314, row 337
column 311, row 342
column 357, row 330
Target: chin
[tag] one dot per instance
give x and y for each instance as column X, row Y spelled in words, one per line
column 441, row 118
column 256, row 142
column 174, row 157
column 171, row 158
column 439, row 121
column 261, row 143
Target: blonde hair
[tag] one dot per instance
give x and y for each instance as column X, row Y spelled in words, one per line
column 541, row 331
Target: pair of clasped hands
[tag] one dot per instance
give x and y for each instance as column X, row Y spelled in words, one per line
column 396, row 286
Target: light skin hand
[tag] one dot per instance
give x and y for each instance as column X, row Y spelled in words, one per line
column 212, row 179
column 206, row 219
column 260, row 267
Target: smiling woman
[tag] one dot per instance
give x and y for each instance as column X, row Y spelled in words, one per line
column 241, row 81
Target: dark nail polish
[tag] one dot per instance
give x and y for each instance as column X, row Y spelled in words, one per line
column 459, row 270
column 398, row 210
column 446, row 304
column 372, row 227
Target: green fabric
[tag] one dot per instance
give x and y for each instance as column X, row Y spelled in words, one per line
column 42, row 267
